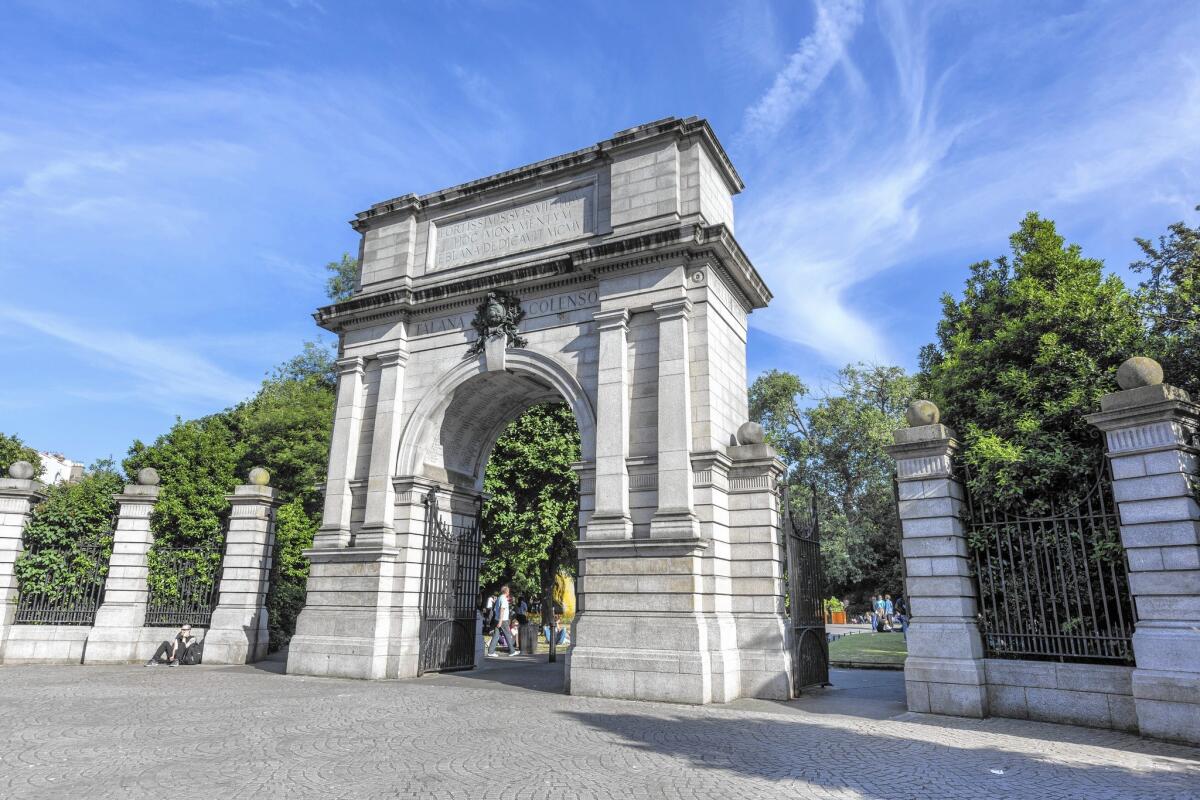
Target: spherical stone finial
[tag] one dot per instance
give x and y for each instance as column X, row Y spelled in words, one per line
column 148, row 476
column 260, row 476
column 21, row 470
column 922, row 412
column 750, row 433
column 1139, row 371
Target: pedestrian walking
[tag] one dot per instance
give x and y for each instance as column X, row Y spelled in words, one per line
column 503, row 617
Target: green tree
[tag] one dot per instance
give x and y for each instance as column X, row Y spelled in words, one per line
column 13, row 449
column 343, row 278
column 294, row 531
column 834, row 447
column 69, row 535
column 1169, row 300
column 286, row 428
column 1028, row 350
column 532, row 515
column 197, row 462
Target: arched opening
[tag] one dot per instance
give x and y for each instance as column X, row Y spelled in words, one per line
column 505, row 452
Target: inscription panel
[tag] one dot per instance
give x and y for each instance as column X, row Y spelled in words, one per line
column 549, row 220
column 534, row 307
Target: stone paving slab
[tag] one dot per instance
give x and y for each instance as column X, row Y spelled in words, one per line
column 242, row 732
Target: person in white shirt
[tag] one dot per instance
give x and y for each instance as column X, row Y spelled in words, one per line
column 504, row 602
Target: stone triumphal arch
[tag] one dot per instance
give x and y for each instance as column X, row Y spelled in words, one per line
column 608, row 278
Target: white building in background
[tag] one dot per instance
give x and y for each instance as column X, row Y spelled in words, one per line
column 57, row 468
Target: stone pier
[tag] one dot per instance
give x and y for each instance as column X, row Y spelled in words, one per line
column 945, row 670
column 1153, row 435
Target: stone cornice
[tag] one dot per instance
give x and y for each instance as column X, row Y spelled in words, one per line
column 1146, row 405
column 436, row 292
column 601, row 152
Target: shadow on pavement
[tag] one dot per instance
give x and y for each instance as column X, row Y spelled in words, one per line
column 517, row 673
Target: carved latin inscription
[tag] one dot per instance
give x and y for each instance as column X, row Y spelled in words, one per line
column 559, row 218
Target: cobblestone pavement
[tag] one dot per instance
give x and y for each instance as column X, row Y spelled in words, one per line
column 242, row 732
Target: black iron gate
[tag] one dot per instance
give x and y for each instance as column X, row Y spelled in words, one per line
column 449, row 583
column 806, row 582
column 1053, row 585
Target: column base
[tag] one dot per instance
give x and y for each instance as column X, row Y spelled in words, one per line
column 236, row 636
column 662, row 657
column 345, row 630
column 1168, row 705
column 765, row 656
column 956, row 687
column 605, row 527
column 674, row 525
column 117, row 635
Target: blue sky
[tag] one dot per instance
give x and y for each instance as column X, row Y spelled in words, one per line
column 173, row 175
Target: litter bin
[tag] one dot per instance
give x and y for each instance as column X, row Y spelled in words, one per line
column 527, row 636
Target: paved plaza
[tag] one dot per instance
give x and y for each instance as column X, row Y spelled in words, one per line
column 506, row 732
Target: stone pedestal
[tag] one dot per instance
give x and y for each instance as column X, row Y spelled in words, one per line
column 944, row 672
column 18, row 496
column 117, row 633
column 757, row 558
column 1155, row 457
column 642, row 631
column 347, row 626
column 238, row 632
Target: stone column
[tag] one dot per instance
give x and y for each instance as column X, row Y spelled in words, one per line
column 378, row 529
column 944, row 672
column 19, row 494
column 238, row 633
column 676, row 515
column 611, row 520
column 117, row 632
column 343, row 453
column 1154, row 450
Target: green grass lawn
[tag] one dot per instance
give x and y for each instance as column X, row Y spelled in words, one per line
column 869, row 648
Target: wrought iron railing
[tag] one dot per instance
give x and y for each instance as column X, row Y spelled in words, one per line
column 184, row 585
column 449, row 589
column 1054, row 587
column 805, row 597
column 65, row 584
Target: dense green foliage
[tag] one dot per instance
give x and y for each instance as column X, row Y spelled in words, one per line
column 834, row 448
column 286, row 428
column 1169, row 300
column 294, row 530
column 532, row 515
column 197, row 462
column 343, row 278
column 1021, row 358
column 13, row 449
column 69, row 536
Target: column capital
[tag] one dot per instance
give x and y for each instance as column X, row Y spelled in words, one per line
column 670, row 309
column 137, row 493
column 246, row 494
column 608, row 320
column 924, row 451
column 350, row 365
column 1169, row 413
column 30, row 490
column 393, row 358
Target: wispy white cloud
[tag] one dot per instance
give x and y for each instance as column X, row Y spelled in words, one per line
column 162, row 374
column 933, row 156
column 806, row 69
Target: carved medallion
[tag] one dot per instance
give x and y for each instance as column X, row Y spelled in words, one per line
column 498, row 315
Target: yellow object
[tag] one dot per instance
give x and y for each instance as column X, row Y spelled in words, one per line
column 564, row 594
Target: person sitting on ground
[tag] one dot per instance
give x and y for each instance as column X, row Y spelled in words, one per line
column 183, row 649
column 561, row 636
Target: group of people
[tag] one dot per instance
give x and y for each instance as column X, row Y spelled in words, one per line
column 886, row 615
column 503, row 618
